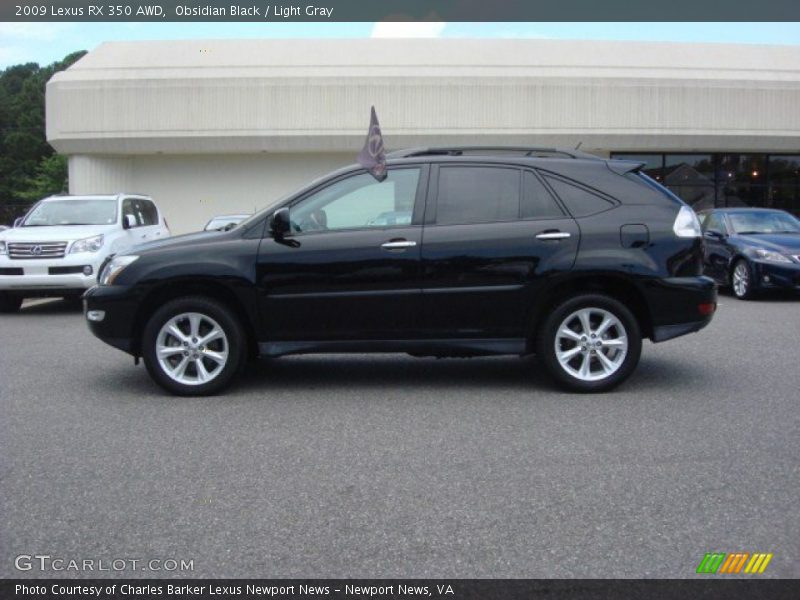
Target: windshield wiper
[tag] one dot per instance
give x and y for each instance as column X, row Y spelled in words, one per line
column 748, row 232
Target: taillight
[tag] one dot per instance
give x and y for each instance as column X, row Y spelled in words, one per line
column 686, row 224
column 707, row 308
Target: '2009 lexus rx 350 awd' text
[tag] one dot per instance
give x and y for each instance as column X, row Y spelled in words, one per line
column 458, row 252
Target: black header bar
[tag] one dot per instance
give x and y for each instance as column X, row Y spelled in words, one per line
column 396, row 10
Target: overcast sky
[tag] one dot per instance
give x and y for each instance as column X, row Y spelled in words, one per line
column 47, row 42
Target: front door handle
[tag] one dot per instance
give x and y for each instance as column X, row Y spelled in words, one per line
column 553, row 235
column 398, row 244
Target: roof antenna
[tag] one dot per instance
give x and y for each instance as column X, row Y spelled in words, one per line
column 579, row 145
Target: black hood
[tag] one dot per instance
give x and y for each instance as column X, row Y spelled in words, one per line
column 179, row 241
column 786, row 243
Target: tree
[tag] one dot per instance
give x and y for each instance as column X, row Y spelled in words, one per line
column 29, row 167
column 50, row 178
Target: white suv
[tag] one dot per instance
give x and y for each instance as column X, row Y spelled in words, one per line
column 57, row 248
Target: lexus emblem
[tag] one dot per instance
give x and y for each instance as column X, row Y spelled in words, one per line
column 36, row 250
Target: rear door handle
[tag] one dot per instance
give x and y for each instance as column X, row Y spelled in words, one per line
column 398, row 244
column 553, row 235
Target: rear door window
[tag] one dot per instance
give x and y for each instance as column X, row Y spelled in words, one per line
column 537, row 201
column 477, row 195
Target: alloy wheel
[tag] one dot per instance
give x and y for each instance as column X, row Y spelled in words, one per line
column 591, row 344
column 192, row 348
column 741, row 280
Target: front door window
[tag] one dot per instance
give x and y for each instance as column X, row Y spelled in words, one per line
column 359, row 202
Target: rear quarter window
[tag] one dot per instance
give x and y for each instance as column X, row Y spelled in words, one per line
column 580, row 202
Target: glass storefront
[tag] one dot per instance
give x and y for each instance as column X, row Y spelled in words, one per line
column 722, row 180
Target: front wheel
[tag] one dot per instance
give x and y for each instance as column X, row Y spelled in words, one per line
column 590, row 343
column 193, row 346
column 742, row 280
column 9, row 303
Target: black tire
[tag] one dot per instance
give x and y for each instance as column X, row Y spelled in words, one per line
column 743, row 290
column 546, row 344
column 235, row 343
column 10, row 303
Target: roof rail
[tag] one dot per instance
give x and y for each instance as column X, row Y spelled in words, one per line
column 533, row 151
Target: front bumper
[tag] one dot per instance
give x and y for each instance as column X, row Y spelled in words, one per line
column 49, row 277
column 776, row 275
column 114, row 312
column 680, row 305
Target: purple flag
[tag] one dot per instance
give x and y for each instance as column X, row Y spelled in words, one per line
column 372, row 156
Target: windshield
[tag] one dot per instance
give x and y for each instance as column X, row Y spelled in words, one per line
column 765, row 221
column 72, row 212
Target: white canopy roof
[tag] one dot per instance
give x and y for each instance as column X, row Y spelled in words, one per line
column 246, row 96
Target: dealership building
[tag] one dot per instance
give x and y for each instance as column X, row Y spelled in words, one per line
column 224, row 126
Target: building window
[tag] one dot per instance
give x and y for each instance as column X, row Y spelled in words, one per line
column 784, row 182
column 726, row 179
column 691, row 178
column 653, row 164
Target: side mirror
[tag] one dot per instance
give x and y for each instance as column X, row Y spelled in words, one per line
column 280, row 224
column 129, row 222
column 17, row 221
column 714, row 234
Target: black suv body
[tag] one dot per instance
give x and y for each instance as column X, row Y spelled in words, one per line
column 459, row 252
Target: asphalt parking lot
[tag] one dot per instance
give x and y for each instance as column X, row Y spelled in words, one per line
column 361, row 466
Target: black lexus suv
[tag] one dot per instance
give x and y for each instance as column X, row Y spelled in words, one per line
column 458, row 252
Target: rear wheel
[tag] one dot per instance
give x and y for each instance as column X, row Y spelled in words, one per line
column 193, row 346
column 9, row 303
column 742, row 280
column 590, row 343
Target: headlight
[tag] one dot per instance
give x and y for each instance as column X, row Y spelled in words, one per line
column 768, row 255
column 92, row 244
column 114, row 268
column 3, row 249
column 686, row 224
